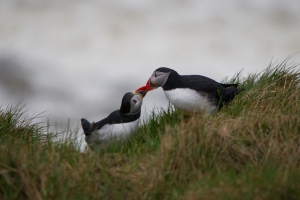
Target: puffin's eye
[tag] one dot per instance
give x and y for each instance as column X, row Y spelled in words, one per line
column 155, row 75
column 134, row 101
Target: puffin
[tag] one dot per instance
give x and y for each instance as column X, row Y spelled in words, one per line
column 118, row 126
column 192, row 93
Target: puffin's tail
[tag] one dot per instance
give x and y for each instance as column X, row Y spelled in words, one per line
column 86, row 126
column 232, row 88
column 229, row 85
column 239, row 90
column 232, row 91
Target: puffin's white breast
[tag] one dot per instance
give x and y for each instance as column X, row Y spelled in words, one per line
column 112, row 132
column 190, row 100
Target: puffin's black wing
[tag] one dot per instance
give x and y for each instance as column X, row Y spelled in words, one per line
column 115, row 118
column 201, row 84
column 211, row 87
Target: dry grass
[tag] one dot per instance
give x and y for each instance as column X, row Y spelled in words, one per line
column 248, row 150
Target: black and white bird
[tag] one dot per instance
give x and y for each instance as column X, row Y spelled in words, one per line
column 193, row 93
column 119, row 125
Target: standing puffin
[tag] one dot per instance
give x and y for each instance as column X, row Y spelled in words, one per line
column 193, row 93
column 119, row 125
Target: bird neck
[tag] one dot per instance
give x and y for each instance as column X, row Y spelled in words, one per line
column 173, row 81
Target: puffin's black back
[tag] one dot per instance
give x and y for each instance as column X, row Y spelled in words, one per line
column 194, row 82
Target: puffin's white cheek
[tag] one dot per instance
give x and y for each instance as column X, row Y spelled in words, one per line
column 152, row 79
column 138, row 106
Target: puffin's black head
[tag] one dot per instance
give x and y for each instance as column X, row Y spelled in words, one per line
column 131, row 103
column 165, row 70
column 159, row 78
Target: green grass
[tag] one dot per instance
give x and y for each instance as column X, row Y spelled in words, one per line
column 250, row 149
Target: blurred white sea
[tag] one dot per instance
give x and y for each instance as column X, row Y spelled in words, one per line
column 76, row 58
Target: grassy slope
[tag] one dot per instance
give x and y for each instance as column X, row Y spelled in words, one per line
column 248, row 150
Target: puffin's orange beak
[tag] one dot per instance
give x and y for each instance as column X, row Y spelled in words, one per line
column 143, row 90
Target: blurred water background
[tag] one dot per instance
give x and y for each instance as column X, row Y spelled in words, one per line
column 77, row 58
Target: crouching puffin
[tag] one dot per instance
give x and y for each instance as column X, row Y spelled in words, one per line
column 119, row 125
column 193, row 93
